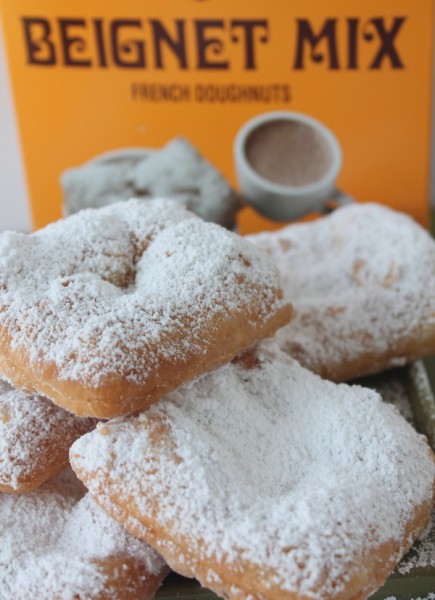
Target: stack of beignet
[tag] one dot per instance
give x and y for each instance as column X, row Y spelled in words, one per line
column 236, row 464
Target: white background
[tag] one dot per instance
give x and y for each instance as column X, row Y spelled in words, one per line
column 14, row 207
column 14, row 212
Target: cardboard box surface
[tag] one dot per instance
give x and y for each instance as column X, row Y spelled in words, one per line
column 89, row 77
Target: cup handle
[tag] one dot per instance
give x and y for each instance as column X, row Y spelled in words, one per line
column 337, row 200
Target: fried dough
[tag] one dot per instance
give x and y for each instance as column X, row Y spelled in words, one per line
column 109, row 309
column 264, row 481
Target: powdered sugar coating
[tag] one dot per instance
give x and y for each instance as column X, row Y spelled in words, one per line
column 51, row 538
column 393, row 391
column 267, row 466
column 35, row 436
column 362, row 282
column 422, row 554
column 107, row 291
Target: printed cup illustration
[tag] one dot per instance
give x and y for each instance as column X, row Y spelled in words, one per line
column 287, row 164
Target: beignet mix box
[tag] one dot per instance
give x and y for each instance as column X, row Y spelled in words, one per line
column 90, row 78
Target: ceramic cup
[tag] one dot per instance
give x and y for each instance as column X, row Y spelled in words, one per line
column 287, row 164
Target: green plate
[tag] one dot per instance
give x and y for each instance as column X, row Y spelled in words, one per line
column 409, row 389
column 415, row 575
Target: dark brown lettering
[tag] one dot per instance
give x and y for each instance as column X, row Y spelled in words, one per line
column 206, row 45
column 387, row 49
column 99, row 43
column 40, row 49
column 70, row 43
column 177, row 44
column 127, row 48
column 352, row 49
column 249, row 28
column 306, row 36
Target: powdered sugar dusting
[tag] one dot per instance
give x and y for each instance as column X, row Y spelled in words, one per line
column 51, row 538
column 361, row 280
column 269, row 465
column 93, row 291
column 35, row 436
column 422, row 554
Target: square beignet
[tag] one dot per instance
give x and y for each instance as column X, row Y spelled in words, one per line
column 362, row 284
column 107, row 310
column 264, row 481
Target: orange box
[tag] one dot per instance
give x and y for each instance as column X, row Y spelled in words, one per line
column 89, row 77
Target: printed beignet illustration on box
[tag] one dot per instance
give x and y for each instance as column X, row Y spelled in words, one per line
column 176, row 171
